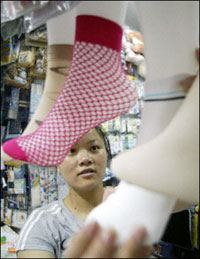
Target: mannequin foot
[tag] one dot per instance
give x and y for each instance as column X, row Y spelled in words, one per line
column 169, row 163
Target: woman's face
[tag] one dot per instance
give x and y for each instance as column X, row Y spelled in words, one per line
column 85, row 164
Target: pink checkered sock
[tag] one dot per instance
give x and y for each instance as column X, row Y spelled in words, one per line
column 96, row 90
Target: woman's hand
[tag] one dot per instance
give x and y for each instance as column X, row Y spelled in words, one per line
column 93, row 242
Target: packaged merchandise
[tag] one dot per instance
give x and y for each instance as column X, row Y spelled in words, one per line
column 13, row 109
column 123, row 124
column 122, row 144
column 8, row 242
column 10, row 182
column 105, row 126
column 19, row 218
column 17, row 201
column 34, row 186
column 19, row 180
column 7, row 215
column 130, row 141
column 36, row 93
column 6, row 52
column 26, row 58
column 2, row 207
column 116, row 124
column 37, row 37
column 13, row 130
column 12, row 28
column 3, row 129
column 111, row 125
column 38, row 17
column 130, row 125
column 52, row 179
column 48, row 188
column 11, row 10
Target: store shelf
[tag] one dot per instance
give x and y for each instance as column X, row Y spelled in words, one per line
column 14, row 163
column 11, row 82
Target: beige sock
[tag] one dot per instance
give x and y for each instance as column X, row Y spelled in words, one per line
column 168, row 164
column 58, row 62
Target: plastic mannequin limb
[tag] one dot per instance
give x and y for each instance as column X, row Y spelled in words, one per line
column 164, row 169
column 166, row 50
column 60, row 47
column 166, row 53
column 161, row 101
column 172, row 157
column 59, row 54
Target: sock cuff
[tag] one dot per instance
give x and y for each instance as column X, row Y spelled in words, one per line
column 98, row 30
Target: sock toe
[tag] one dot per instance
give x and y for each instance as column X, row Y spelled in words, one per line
column 12, row 151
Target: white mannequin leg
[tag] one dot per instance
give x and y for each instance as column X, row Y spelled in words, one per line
column 169, row 163
column 171, row 160
column 111, row 10
column 169, row 57
column 162, row 99
column 61, row 29
column 170, row 30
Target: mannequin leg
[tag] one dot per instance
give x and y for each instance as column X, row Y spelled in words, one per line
column 59, row 55
column 96, row 90
column 61, row 29
column 161, row 101
column 170, row 58
column 170, row 30
column 171, row 159
column 169, row 147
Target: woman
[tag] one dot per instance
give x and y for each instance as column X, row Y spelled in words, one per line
column 49, row 228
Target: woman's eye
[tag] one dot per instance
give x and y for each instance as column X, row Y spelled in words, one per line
column 72, row 151
column 94, row 148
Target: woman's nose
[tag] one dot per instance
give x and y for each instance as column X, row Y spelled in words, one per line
column 85, row 159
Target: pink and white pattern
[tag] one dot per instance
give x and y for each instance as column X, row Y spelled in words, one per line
column 96, row 90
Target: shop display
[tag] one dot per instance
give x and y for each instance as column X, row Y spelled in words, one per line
column 24, row 69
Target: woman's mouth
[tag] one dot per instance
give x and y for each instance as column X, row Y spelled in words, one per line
column 87, row 173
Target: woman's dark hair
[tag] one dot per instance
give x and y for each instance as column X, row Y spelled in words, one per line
column 106, row 143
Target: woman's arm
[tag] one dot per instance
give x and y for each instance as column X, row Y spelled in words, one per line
column 34, row 254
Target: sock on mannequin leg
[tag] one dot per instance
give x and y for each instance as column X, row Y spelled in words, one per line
column 59, row 58
column 59, row 55
column 96, row 90
column 171, row 159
